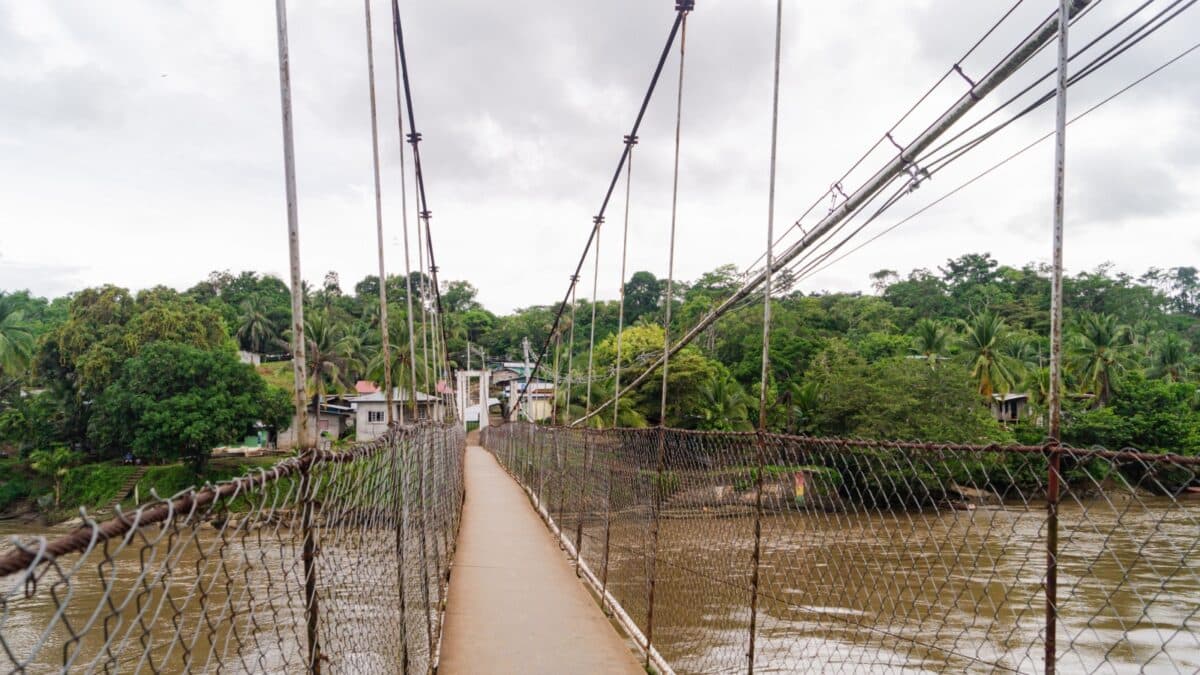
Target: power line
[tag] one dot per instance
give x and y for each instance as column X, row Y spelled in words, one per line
column 1007, row 159
column 836, row 185
column 935, row 166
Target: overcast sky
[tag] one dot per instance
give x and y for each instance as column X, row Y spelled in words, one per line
column 140, row 140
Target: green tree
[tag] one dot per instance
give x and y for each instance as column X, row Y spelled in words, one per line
column 255, row 329
column 689, row 369
column 1170, row 358
column 1096, row 351
column 459, row 297
column 897, row 398
column 724, row 405
column 16, row 340
column 177, row 401
column 54, row 464
column 643, row 292
column 931, row 340
column 983, row 345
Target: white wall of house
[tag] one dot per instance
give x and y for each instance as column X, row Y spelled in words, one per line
column 370, row 417
column 370, row 420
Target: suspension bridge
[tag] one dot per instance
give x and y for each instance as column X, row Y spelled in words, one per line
column 574, row 545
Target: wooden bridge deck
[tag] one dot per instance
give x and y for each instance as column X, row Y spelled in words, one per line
column 515, row 604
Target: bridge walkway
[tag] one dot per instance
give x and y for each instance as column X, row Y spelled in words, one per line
column 515, row 604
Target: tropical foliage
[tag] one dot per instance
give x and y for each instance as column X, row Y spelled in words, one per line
column 921, row 356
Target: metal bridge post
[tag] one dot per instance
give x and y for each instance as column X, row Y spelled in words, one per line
column 398, row 483
column 560, row 462
column 656, row 506
column 582, row 504
column 607, row 534
column 1056, row 317
column 760, row 471
column 420, row 441
column 308, row 556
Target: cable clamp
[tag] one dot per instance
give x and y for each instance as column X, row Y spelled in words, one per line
column 414, row 137
column 834, row 191
column 426, row 214
column 958, row 69
column 598, row 220
column 631, row 139
column 685, row 5
column 917, row 175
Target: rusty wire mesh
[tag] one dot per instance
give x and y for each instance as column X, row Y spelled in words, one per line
column 215, row 578
column 873, row 556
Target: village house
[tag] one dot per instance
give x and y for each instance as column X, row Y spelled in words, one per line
column 370, row 411
column 1009, row 408
column 329, row 422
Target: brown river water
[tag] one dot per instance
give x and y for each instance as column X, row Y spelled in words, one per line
column 937, row 592
column 934, row 592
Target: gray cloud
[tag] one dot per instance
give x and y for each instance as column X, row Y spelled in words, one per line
column 522, row 106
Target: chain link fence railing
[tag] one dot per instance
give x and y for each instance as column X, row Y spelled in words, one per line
column 334, row 561
column 735, row 552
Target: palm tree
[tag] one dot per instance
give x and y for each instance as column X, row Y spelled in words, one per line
column 16, row 341
column 1023, row 352
column 255, row 329
column 54, row 465
column 1170, row 358
column 401, row 370
column 984, row 340
column 724, row 405
column 930, row 340
column 329, row 352
column 1097, row 352
column 803, row 400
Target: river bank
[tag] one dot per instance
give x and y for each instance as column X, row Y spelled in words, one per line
column 27, row 498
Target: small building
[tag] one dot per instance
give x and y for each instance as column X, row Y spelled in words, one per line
column 1009, row 407
column 537, row 405
column 370, row 411
column 328, row 422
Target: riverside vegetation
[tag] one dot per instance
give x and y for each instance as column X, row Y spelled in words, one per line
column 89, row 377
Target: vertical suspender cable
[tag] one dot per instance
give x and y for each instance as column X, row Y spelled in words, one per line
column 630, row 141
column 385, row 343
column 766, row 337
column 424, row 290
column 1056, row 316
column 592, row 332
column 570, row 350
column 766, row 340
column 408, row 288
column 299, row 370
column 557, row 352
column 869, row 190
column 299, row 366
column 662, row 59
column 683, row 7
